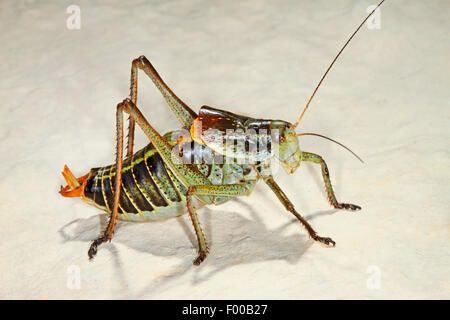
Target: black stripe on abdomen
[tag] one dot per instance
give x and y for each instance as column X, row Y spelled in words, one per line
column 133, row 191
column 147, row 185
column 107, row 187
column 124, row 201
column 94, row 189
column 91, row 184
column 162, row 179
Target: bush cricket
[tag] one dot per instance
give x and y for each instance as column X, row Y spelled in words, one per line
column 162, row 180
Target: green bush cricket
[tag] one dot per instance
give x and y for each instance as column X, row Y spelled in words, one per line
column 165, row 178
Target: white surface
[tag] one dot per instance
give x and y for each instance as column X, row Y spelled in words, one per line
column 387, row 98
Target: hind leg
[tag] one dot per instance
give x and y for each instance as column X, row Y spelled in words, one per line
column 184, row 114
column 198, row 185
column 107, row 235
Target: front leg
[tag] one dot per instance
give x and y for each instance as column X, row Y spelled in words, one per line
column 290, row 207
column 307, row 156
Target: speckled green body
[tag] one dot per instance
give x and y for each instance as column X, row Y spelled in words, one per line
column 151, row 191
column 152, row 184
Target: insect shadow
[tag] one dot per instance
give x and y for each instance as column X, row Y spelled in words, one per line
column 233, row 239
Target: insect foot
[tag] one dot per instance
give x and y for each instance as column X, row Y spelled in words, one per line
column 326, row 241
column 93, row 248
column 201, row 256
column 347, row 206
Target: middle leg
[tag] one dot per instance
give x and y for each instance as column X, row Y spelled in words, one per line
column 210, row 191
column 198, row 185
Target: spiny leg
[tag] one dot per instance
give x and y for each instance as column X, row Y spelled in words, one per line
column 187, row 173
column 181, row 110
column 198, row 185
column 202, row 245
column 210, row 191
column 307, row 156
column 107, row 235
column 290, row 207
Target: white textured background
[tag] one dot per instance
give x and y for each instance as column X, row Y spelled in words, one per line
column 387, row 98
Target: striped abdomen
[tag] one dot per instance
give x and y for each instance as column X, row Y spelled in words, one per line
column 149, row 190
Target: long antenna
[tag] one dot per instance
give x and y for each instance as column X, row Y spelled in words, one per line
column 325, row 137
column 332, row 63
